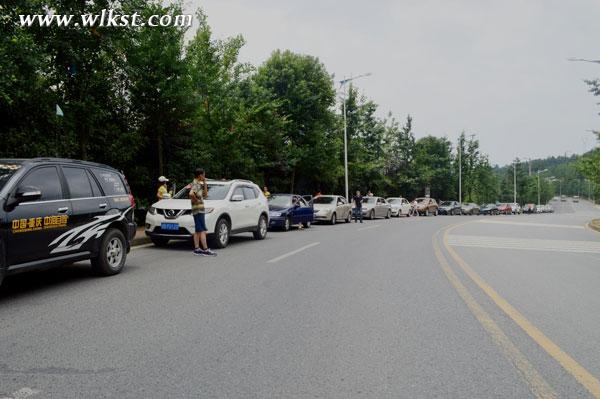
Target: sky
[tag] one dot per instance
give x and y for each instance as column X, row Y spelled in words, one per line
column 496, row 69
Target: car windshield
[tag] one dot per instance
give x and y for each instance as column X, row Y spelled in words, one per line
column 369, row 200
column 6, row 171
column 446, row 203
column 394, row 200
column 323, row 200
column 284, row 201
column 215, row 192
column 420, row 200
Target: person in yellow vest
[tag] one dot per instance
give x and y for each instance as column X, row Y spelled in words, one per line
column 163, row 192
column 266, row 192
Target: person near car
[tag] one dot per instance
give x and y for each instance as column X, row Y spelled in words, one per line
column 358, row 201
column 369, row 194
column 198, row 192
column 318, row 193
column 162, row 192
column 266, row 192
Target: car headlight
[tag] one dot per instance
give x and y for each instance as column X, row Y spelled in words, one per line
column 152, row 210
column 274, row 214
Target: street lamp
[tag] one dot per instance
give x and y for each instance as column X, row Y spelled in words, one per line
column 538, row 184
column 514, row 182
column 342, row 86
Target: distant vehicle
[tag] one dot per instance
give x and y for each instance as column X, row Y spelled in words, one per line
column 332, row 208
column 529, row 208
column 400, row 206
column 516, row 208
column 563, row 198
column 489, row 209
column 231, row 207
column 470, row 208
column 549, row 208
column 286, row 210
column 449, row 208
column 55, row 211
column 376, row 207
column 540, row 209
column 505, row 209
column 576, row 198
column 426, row 206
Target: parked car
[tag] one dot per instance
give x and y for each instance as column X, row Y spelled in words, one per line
column 231, row 207
column 55, row 211
column 516, row 208
column 286, row 210
column 504, row 209
column 529, row 208
column 426, row 206
column 549, row 208
column 563, row 198
column 576, row 198
column 450, row 208
column 489, row 209
column 376, row 207
column 540, row 209
column 470, row 208
column 332, row 208
column 400, row 206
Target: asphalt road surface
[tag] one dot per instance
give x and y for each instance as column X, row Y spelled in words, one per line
column 427, row 307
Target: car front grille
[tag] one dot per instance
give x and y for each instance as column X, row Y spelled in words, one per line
column 173, row 213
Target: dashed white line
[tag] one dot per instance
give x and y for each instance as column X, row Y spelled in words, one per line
column 368, row 227
column 294, row 252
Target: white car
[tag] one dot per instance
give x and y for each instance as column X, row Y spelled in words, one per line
column 332, row 208
column 400, row 206
column 374, row 207
column 231, row 207
column 516, row 208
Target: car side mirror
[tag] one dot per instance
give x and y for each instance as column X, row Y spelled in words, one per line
column 27, row 194
column 237, row 198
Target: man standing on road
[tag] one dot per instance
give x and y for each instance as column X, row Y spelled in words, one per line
column 199, row 191
column 358, row 200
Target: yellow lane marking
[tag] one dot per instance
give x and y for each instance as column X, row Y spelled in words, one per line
column 584, row 377
column 534, row 380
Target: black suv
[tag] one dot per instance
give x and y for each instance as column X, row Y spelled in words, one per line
column 54, row 211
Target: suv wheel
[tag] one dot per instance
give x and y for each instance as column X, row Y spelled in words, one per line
column 113, row 252
column 159, row 241
column 222, row 232
column 333, row 218
column 261, row 230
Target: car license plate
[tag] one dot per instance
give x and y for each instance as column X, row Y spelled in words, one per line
column 169, row 226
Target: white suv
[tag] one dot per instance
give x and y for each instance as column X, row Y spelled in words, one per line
column 231, row 207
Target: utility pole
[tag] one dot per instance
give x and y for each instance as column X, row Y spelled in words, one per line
column 459, row 171
column 342, row 86
column 514, row 182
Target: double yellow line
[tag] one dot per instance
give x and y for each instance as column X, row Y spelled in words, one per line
column 535, row 381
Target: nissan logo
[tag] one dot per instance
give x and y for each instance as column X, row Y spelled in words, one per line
column 170, row 213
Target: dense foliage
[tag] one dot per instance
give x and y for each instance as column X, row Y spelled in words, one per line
column 149, row 102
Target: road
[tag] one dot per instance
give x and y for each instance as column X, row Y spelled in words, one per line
column 436, row 307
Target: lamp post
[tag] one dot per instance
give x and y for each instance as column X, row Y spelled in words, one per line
column 538, row 184
column 342, row 86
column 514, row 182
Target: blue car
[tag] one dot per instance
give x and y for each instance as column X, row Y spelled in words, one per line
column 286, row 210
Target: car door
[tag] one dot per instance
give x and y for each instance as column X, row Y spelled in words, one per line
column 341, row 209
column 379, row 208
column 405, row 206
column 35, row 225
column 252, row 206
column 306, row 210
column 237, row 209
column 88, row 206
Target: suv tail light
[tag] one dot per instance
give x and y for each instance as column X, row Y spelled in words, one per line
column 131, row 199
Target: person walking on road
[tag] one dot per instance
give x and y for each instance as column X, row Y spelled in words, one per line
column 163, row 192
column 358, row 201
column 198, row 192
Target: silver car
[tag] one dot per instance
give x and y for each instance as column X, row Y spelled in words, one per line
column 332, row 208
column 400, row 206
column 376, row 207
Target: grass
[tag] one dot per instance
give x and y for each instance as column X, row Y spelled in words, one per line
column 595, row 224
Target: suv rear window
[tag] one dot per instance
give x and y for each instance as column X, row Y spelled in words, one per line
column 110, row 181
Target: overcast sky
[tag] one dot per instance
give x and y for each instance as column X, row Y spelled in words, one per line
column 497, row 69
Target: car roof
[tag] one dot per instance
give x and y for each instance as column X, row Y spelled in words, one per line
column 54, row 160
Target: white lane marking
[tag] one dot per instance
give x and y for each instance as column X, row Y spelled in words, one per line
column 142, row 246
column 22, row 393
column 294, row 252
column 563, row 226
column 531, row 244
column 369, row 227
